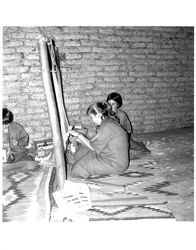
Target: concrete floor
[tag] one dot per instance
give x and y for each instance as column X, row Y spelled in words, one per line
column 174, row 153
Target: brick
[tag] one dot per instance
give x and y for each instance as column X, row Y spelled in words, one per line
column 32, row 43
column 29, row 29
column 19, row 97
column 20, row 69
column 89, row 30
column 14, row 43
column 26, row 49
column 71, row 43
column 106, row 31
column 76, row 113
column 34, row 103
column 20, row 35
column 88, row 43
column 95, row 68
column 38, row 96
column 111, row 68
column 112, row 38
column 32, row 57
column 72, row 100
column 85, row 50
column 11, row 57
column 27, row 75
column 111, row 74
column 35, row 83
column 92, row 37
column 15, row 85
column 33, row 35
column 139, row 45
column 40, row 135
column 168, row 74
column 8, row 51
column 111, row 79
column 98, row 50
column 36, row 89
column 35, row 69
column 73, row 56
column 94, row 93
column 10, row 77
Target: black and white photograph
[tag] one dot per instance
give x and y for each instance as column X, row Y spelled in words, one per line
column 97, row 125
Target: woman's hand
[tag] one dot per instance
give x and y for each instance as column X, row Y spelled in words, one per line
column 14, row 143
column 10, row 154
column 80, row 137
column 73, row 132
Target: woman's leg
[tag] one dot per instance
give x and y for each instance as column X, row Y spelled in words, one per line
column 72, row 158
column 80, row 153
column 76, row 165
column 93, row 165
column 22, row 157
column 79, row 171
column 138, row 146
column 137, row 149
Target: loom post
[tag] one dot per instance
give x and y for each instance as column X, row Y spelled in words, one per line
column 53, row 113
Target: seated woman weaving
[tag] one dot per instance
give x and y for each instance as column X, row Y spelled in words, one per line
column 107, row 151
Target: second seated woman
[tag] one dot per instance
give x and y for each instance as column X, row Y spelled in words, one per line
column 137, row 149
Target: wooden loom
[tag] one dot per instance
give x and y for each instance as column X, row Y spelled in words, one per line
column 54, row 95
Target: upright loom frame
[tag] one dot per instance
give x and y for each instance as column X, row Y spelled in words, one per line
column 52, row 81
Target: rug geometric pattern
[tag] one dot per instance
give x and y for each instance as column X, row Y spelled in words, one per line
column 22, row 190
column 132, row 212
column 139, row 193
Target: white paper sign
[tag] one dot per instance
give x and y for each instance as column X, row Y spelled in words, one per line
column 74, row 197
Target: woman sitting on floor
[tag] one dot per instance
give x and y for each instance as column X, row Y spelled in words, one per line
column 15, row 139
column 107, row 151
column 136, row 148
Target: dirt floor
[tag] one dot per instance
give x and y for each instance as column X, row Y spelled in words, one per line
column 174, row 153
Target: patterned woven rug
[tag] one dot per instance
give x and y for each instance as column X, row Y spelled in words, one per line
column 26, row 193
column 131, row 212
column 140, row 193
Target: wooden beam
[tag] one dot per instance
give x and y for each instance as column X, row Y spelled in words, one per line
column 56, row 76
column 53, row 113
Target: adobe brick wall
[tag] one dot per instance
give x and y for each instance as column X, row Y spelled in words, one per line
column 152, row 67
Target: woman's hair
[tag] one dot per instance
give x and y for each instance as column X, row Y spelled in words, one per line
column 116, row 97
column 8, row 116
column 99, row 107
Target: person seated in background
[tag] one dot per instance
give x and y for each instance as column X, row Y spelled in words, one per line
column 136, row 148
column 107, row 152
column 15, row 139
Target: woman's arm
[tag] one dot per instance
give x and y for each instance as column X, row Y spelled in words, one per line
column 82, row 138
column 125, row 121
column 23, row 140
column 18, row 135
